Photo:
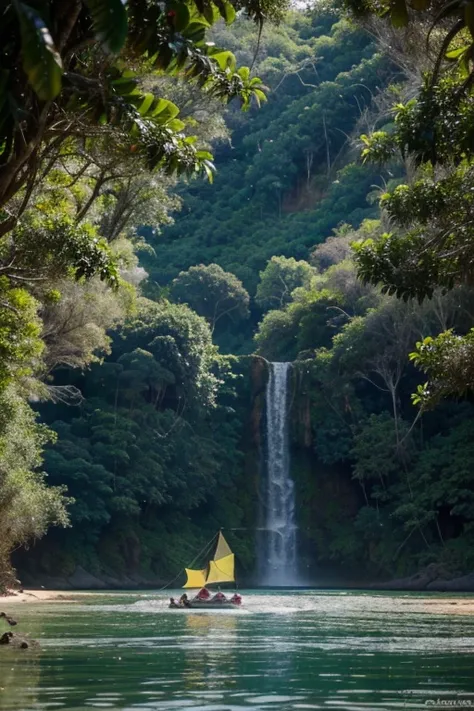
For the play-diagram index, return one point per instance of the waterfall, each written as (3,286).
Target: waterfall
(278,540)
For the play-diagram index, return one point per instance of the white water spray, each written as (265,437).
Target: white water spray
(278,543)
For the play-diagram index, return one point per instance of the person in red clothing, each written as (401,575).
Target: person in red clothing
(203,594)
(236,599)
(219,596)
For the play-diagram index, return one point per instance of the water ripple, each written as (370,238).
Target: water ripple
(283,652)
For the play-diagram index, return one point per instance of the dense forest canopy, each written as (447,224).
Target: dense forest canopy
(159,246)
(289,168)
(90,144)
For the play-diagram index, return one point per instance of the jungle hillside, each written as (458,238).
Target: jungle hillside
(243,183)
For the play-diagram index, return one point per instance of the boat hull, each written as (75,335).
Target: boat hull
(207,605)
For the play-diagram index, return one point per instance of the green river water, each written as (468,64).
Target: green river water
(282,652)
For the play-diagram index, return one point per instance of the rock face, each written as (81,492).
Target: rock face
(418,581)
(432,578)
(301,407)
(82,580)
(258,381)
(462,584)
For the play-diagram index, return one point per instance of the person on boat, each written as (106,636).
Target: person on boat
(236,599)
(184,601)
(203,594)
(219,596)
(173,602)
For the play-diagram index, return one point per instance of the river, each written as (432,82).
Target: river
(282,652)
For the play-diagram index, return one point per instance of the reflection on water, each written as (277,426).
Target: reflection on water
(18,682)
(283,652)
(216,638)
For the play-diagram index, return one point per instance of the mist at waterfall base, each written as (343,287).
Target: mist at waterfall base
(277,554)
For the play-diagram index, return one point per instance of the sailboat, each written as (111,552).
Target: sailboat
(220,569)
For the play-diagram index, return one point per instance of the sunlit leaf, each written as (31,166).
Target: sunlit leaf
(244,73)
(166,110)
(41,60)
(176,125)
(455,53)
(225,60)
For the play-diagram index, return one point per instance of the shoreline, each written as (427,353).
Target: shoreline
(452,605)
(37,596)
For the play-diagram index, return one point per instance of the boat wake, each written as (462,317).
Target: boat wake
(322,604)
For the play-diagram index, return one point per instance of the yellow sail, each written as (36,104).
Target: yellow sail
(196,578)
(223,549)
(221,570)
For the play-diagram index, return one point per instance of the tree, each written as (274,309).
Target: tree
(181,342)
(431,242)
(212,293)
(279,279)
(451,21)
(333,250)
(66,72)
(229,222)
(150,456)
(315,313)
(76,318)
(448,361)
(276,336)
(337,248)
(377,453)
(80,137)
(60,248)
(434,243)
(442,482)
(28,506)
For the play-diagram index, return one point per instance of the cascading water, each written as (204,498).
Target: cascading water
(278,563)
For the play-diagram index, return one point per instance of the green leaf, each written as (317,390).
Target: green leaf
(196,30)
(209,169)
(125,85)
(244,73)
(399,13)
(146,101)
(456,53)
(179,13)
(226,10)
(225,60)
(41,61)
(259,96)
(109,20)
(176,125)
(204,155)
(166,110)
(211,13)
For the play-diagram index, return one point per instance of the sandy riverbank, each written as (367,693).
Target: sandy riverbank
(33,596)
